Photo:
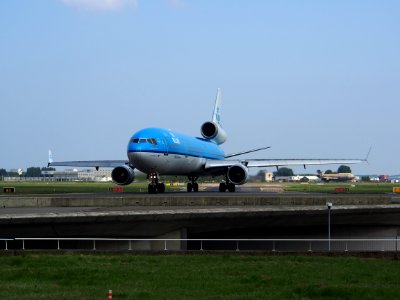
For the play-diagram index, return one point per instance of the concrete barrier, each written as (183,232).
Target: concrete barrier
(94,200)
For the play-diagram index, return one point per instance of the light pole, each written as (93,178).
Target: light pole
(329,206)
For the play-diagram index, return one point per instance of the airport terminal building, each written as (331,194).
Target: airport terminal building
(68,175)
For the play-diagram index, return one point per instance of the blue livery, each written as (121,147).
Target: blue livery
(159,140)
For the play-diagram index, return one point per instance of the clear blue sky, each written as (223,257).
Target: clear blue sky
(310,78)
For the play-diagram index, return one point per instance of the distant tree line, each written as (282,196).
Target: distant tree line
(289,172)
(4,173)
(284,172)
(341,169)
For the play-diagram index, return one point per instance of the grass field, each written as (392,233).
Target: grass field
(72,187)
(352,188)
(197,277)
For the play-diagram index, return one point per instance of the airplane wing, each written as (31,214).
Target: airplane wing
(293,162)
(215,164)
(90,163)
(245,152)
(86,163)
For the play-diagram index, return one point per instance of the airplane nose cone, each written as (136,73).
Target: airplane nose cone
(143,161)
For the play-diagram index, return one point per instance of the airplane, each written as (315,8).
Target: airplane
(337,177)
(159,151)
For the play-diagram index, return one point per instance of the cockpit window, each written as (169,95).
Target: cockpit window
(152,141)
(142,141)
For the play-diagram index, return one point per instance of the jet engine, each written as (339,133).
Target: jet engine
(237,174)
(123,175)
(213,131)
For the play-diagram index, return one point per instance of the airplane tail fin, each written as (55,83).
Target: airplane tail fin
(50,157)
(217,114)
(212,130)
(366,157)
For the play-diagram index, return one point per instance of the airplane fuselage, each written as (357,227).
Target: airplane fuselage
(167,152)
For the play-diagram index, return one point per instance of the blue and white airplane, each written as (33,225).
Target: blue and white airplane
(158,151)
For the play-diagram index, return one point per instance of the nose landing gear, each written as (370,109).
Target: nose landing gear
(155,186)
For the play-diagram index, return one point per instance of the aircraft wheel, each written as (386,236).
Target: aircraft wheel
(222,187)
(195,187)
(161,187)
(152,189)
(231,188)
(189,187)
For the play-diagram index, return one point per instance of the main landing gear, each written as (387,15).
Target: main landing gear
(227,186)
(154,186)
(192,185)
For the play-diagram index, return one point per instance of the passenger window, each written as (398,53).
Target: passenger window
(135,141)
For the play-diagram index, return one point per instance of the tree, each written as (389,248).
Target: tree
(48,169)
(366,178)
(328,172)
(284,172)
(260,176)
(33,172)
(344,169)
(3,172)
(12,174)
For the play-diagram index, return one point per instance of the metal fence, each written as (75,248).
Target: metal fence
(248,245)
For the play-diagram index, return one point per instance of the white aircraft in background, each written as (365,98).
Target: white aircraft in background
(159,151)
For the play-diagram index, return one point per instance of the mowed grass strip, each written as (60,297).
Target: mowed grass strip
(72,187)
(352,188)
(73,276)
(92,187)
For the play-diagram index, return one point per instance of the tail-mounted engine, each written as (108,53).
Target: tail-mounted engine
(123,175)
(213,131)
(237,174)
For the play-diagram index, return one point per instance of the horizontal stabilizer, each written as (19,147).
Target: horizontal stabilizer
(91,163)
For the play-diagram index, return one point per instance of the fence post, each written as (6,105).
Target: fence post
(273,246)
(237,246)
(201,245)
(130,245)
(345,250)
(165,245)
(23,244)
(94,245)
(109,295)
(309,247)
(58,244)
(6,246)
